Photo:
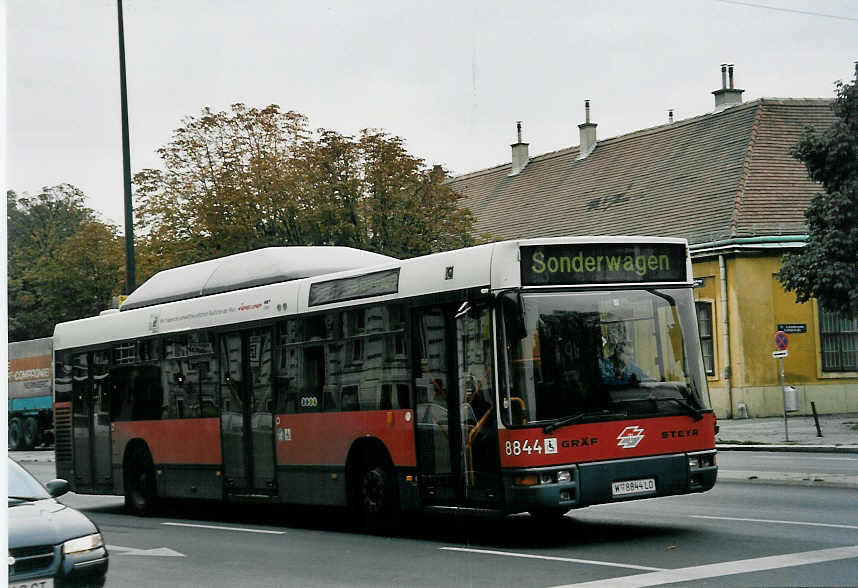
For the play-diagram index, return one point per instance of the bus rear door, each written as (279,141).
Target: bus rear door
(246,412)
(91,421)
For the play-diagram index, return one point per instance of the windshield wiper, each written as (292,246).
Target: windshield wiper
(694,412)
(24,498)
(556,424)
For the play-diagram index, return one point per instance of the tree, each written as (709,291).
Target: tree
(827,267)
(247,178)
(64,263)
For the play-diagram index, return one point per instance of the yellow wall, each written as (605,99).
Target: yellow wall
(756,305)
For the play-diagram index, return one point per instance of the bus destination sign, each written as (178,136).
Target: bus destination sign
(602,263)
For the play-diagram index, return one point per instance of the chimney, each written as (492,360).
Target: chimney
(587,131)
(519,153)
(727,96)
(670,116)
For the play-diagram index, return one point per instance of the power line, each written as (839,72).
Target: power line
(778,8)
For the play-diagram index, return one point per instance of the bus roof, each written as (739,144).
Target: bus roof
(232,294)
(246,270)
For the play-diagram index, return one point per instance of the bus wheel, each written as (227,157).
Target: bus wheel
(15,435)
(140,494)
(378,499)
(31,433)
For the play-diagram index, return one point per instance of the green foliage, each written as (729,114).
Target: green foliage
(63,263)
(249,178)
(827,267)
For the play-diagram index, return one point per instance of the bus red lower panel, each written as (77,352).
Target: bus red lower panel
(313,448)
(186,454)
(179,441)
(324,439)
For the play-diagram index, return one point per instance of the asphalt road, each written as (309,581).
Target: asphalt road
(739,534)
(789,461)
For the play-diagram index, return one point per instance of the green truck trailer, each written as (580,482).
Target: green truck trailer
(31,420)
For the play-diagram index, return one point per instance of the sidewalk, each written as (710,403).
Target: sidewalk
(839,434)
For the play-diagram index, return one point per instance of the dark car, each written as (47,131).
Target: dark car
(50,544)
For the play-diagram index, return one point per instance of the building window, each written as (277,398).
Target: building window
(704,325)
(839,338)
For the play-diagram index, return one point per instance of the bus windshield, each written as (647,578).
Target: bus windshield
(575,356)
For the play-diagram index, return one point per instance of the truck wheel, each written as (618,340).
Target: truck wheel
(15,435)
(32,436)
(140,493)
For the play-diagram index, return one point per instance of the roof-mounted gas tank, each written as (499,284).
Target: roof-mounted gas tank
(246,270)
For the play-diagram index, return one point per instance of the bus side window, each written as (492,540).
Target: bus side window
(313,381)
(350,400)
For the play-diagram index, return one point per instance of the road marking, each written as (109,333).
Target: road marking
(813,458)
(552,558)
(774,522)
(743,566)
(158,551)
(226,528)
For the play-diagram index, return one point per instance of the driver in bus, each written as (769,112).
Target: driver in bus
(615,368)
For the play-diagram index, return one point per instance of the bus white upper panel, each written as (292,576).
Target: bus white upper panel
(246,270)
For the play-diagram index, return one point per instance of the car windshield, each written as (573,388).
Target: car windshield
(601,355)
(22,485)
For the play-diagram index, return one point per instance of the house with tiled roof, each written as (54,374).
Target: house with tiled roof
(726,182)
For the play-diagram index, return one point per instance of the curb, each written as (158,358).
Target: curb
(782,447)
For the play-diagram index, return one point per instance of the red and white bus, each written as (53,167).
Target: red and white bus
(535,375)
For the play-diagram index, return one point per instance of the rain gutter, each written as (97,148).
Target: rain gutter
(739,243)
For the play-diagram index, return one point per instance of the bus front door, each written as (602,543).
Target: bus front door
(478,408)
(455,409)
(246,412)
(91,421)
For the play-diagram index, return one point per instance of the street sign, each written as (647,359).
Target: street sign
(780,354)
(781,340)
(792,327)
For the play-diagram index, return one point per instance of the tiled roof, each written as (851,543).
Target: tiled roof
(715,176)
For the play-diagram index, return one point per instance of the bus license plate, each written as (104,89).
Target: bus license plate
(630,487)
(40,583)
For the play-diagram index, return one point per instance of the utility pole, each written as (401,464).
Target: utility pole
(130,280)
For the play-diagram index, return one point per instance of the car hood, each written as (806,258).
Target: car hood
(45,522)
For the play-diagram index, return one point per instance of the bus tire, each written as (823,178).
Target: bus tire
(141,496)
(16,435)
(378,502)
(32,435)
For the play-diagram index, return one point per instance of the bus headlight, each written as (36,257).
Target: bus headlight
(546,478)
(696,462)
(81,544)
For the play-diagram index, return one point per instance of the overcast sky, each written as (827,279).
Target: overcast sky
(451,78)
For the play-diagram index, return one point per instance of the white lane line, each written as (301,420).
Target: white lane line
(226,528)
(552,558)
(774,522)
(743,566)
(813,458)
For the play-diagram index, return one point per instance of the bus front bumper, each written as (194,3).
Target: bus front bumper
(578,485)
